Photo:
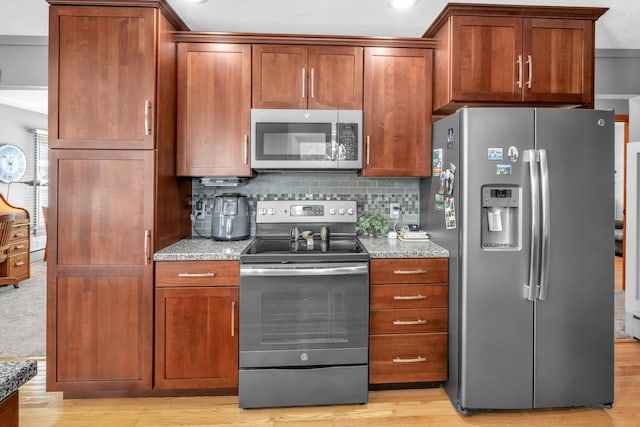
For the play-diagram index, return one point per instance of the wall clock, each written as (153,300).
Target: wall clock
(13,163)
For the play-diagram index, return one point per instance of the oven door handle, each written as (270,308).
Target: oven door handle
(304,271)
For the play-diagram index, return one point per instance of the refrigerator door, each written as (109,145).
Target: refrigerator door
(574,332)
(496,319)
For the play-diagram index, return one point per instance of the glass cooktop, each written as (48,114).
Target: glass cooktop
(285,250)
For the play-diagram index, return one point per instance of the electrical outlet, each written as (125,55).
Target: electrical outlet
(394,210)
(199,209)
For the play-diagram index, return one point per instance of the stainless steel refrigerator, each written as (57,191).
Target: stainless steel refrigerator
(523,199)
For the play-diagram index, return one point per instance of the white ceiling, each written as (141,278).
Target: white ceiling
(616,29)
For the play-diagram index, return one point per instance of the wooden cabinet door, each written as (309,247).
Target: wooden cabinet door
(196,337)
(100,273)
(560,60)
(214,104)
(486,59)
(335,77)
(280,76)
(397,112)
(101,77)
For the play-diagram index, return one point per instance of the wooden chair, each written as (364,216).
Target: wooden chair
(6,224)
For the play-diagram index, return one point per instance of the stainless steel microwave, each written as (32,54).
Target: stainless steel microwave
(306,139)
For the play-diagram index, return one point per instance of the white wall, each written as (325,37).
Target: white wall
(16,127)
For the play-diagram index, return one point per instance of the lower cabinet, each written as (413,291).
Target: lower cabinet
(196,326)
(408,320)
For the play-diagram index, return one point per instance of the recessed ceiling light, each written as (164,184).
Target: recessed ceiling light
(402,4)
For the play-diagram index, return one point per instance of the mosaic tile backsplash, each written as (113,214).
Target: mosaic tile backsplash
(369,193)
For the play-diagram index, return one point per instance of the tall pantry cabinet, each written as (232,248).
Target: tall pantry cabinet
(114,197)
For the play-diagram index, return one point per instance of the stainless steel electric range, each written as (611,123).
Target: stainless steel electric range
(304,307)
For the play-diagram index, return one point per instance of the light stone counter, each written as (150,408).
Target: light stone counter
(202,249)
(381,247)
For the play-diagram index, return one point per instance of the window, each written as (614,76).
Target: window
(40,181)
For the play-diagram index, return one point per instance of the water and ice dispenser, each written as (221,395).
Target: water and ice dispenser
(501,219)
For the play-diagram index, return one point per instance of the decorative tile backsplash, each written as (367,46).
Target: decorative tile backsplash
(369,193)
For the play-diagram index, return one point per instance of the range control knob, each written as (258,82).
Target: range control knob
(272,211)
(341,211)
(262,211)
(350,211)
(332,211)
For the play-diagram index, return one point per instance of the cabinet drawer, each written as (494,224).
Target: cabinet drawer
(408,296)
(19,232)
(197,273)
(408,358)
(18,247)
(408,321)
(18,265)
(412,270)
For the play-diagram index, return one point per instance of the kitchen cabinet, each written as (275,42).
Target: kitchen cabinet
(397,112)
(214,105)
(313,77)
(100,274)
(196,327)
(513,55)
(102,81)
(114,197)
(408,320)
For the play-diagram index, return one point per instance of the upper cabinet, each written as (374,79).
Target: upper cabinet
(214,104)
(397,112)
(513,55)
(313,77)
(102,77)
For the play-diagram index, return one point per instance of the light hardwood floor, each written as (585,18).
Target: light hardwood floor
(419,407)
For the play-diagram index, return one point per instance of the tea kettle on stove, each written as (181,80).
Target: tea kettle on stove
(230,217)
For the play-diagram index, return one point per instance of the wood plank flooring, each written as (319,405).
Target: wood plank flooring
(419,407)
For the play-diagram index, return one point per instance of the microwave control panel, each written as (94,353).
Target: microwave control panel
(347,141)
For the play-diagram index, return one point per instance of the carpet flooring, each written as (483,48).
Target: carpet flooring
(23,315)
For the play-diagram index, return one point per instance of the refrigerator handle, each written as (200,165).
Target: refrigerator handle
(531,156)
(544,197)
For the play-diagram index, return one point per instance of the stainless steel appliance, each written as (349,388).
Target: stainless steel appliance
(230,217)
(523,200)
(306,139)
(304,307)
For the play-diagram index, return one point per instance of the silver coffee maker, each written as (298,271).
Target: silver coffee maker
(230,217)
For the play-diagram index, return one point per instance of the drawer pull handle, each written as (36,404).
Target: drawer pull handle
(20,235)
(409,297)
(196,274)
(418,359)
(20,247)
(19,263)
(410,322)
(420,271)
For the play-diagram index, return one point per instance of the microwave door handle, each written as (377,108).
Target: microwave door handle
(334,141)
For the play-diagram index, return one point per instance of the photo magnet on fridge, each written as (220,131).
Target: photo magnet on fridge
(494,153)
(436,161)
(449,213)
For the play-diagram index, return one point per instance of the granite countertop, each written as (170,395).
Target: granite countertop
(381,247)
(202,249)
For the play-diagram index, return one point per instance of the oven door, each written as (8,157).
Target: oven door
(314,314)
